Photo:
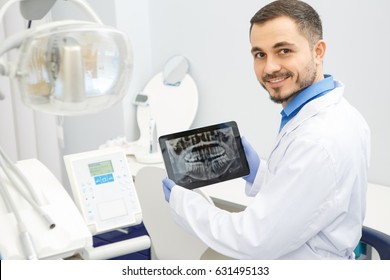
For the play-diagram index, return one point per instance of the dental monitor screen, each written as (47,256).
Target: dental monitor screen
(99,168)
(204,156)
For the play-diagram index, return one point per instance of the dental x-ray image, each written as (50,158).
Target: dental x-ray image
(204,156)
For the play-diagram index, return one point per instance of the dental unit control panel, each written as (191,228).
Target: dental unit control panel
(103,189)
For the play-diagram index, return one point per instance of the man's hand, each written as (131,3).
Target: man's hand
(167,184)
(253,160)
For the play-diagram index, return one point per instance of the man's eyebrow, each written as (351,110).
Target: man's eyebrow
(283,44)
(276,46)
(256,49)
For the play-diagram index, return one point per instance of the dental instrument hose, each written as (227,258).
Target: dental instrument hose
(24,235)
(35,202)
(13,178)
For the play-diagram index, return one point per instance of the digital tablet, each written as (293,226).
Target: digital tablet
(204,156)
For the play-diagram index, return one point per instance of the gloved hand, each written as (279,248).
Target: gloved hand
(167,184)
(253,160)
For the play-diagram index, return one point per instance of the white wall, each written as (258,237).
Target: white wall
(213,35)
(132,17)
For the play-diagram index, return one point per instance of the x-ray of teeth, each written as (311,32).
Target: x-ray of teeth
(204,156)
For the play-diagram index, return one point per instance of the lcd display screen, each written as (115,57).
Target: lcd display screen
(100,168)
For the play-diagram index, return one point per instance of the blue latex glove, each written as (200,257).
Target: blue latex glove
(253,160)
(167,184)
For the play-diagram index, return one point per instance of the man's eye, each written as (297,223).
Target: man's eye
(284,51)
(259,55)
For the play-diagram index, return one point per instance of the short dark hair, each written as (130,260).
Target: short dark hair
(306,18)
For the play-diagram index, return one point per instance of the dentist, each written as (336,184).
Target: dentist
(309,196)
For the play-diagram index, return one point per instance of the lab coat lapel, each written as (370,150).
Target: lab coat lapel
(310,110)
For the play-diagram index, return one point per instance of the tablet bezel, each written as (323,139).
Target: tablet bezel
(239,162)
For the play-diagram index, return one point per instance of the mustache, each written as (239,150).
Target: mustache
(268,77)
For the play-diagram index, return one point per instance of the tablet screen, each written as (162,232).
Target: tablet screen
(204,156)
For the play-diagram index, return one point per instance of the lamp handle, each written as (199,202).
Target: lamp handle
(37,9)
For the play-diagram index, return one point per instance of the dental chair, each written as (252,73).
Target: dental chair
(377,240)
(168,240)
(167,104)
(376,229)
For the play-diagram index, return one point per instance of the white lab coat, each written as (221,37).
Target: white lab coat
(309,196)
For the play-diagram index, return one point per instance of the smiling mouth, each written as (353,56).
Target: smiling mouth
(277,81)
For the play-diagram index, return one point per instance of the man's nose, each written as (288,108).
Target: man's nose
(272,65)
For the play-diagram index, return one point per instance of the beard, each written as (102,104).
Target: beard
(304,79)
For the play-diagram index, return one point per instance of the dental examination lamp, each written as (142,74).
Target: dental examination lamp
(64,68)
(67,67)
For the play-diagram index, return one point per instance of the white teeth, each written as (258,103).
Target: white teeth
(276,81)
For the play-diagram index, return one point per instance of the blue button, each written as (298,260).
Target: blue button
(98,180)
(104,179)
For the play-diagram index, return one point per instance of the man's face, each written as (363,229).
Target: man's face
(284,62)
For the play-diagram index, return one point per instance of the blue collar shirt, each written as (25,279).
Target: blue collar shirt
(312,92)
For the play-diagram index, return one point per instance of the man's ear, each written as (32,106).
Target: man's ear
(319,51)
